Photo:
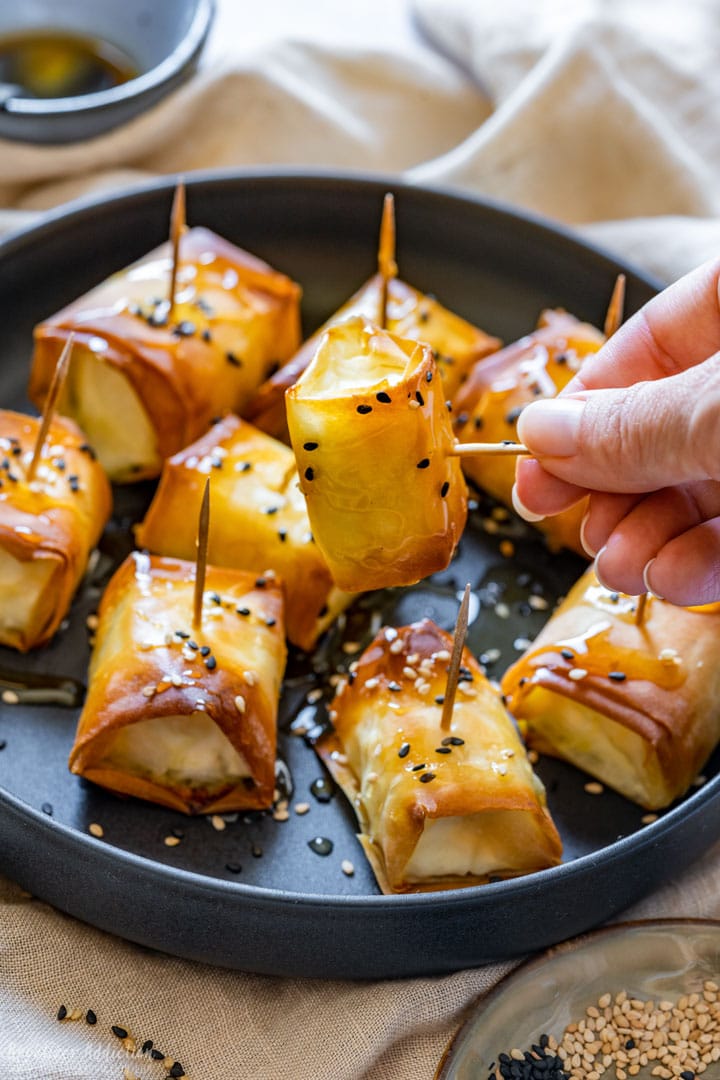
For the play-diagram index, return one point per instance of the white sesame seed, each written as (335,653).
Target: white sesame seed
(413,404)
(313,695)
(669,656)
(96,830)
(413,659)
(507,753)
(347,867)
(467,689)
(240,703)
(502,611)
(337,755)
(149,691)
(171,841)
(647,819)
(538,603)
(176,680)
(491,527)
(409,673)
(281,815)
(521,644)
(533,757)
(499,767)
(577,673)
(217,822)
(350,647)
(441,655)
(301,808)
(397,647)
(390,633)
(10,697)
(76,1014)
(593,788)
(92,622)
(370,684)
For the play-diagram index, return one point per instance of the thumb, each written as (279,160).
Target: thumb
(634,439)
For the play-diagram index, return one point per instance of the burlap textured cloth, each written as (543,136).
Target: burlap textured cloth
(600,113)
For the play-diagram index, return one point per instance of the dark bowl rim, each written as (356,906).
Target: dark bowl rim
(527,966)
(474,896)
(91,104)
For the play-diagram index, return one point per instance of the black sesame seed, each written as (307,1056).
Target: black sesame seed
(233,359)
(260,582)
(216,598)
(427,777)
(282,535)
(630,1044)
(3,744)
(211,663)
(392,685)
(271,510)
(182,634)
(508,442)
(383,398)
(120,1032)
(233,867)
(404,750)
(73,481)
(243,610)
(444,489)
(256,851)
(147,1045)
(567,654)
(561,359)
(270,622)
(61,1013)
(310,446)
(47,808)
(86,448)
(193,645)
(309,473)
(439,699)
(419,398)
(16,451)
(617,676)
(216,463)
(205,650)
(478,422)
(614,597)
(364,409)
(428,376)
(184,328)
(206,335)
(176,1069)
(90,1017)
(513,415)
(687,1074)
(448,406)
(157,1055)
(423,463)
(443,750)
(418,768)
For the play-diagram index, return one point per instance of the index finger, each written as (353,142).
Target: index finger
(675,330)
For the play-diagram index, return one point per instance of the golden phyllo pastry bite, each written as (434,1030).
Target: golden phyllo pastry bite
(633,705)
(141,384)
(181,716)
(260,520)
(48,526)
(457,344)
(437,808)
(487,406)
(373,442)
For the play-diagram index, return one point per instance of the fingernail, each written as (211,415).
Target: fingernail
(551,427)
(598,572)
(646,581)
(521,509)
(588,549)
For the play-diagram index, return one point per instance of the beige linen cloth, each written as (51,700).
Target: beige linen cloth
(604,114)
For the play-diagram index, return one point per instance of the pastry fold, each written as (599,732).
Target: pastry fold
(437,809)
(142,387)
(457,344)
(48,527)
(181,716)
(260,520)
(634,706)
(373,442)
(487,406)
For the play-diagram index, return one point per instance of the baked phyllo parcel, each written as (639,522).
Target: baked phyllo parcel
(260,520)
(48,526)
(144,381)
(373,442)
(487,406)
(633,705)
(437,808)
(458,345)
(181,716)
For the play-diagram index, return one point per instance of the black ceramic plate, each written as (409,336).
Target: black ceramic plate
(254,895)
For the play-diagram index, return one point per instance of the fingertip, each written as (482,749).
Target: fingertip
(521,509)
(587,546)
(646,580)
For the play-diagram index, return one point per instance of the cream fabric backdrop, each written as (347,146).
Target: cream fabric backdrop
(601,114)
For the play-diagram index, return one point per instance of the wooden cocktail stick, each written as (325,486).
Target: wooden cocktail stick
(616,307)
(471,449)
(201,558)
(58,379)
(177,228)
(640,609)
(454,670)
(387,266)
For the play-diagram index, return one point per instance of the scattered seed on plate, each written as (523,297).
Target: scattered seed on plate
(217,822)
(521,644)
(281,814)
(594,788)
(171,841)
(10,697)
(507,549)
(347,867)
(533,757)
(301,808)
(647,819)
(96,830)
(502,611)
(313,696)
(538,603)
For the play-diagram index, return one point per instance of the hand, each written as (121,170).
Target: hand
(639,430)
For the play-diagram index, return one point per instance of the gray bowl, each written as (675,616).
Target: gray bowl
(163,38)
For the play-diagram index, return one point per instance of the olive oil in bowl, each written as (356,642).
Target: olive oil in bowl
(47,64)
